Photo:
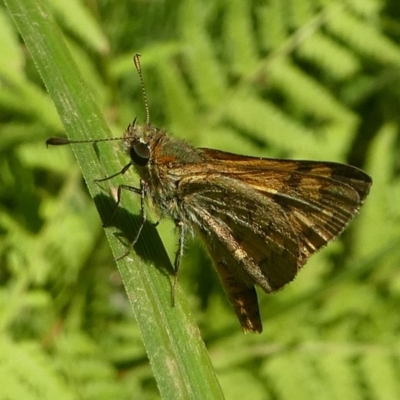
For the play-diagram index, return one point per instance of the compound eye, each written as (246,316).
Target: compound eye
(140,154)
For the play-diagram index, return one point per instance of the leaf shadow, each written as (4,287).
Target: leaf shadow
(127,225)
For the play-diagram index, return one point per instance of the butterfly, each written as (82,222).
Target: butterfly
(261,219)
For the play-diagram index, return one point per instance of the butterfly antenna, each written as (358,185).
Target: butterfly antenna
(136,60)
(55,141)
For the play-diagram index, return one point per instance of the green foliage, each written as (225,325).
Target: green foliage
(315,80)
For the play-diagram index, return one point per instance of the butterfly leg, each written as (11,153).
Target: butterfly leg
(120,187)
(123,170)
(178,256)
(142,192)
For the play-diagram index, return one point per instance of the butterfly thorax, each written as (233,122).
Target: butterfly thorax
(161,162)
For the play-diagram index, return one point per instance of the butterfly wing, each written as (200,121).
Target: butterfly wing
(247,244)
(263,218)
(242,296)
(318,198)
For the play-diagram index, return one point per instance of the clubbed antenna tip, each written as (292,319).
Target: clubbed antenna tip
(55,141)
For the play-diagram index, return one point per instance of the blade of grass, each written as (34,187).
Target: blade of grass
(177,354)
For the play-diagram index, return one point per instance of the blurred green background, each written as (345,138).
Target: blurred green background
(307,80)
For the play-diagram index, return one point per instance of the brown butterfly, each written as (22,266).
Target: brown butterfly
(260,218)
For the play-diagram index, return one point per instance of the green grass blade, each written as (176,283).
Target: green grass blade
(177,354)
